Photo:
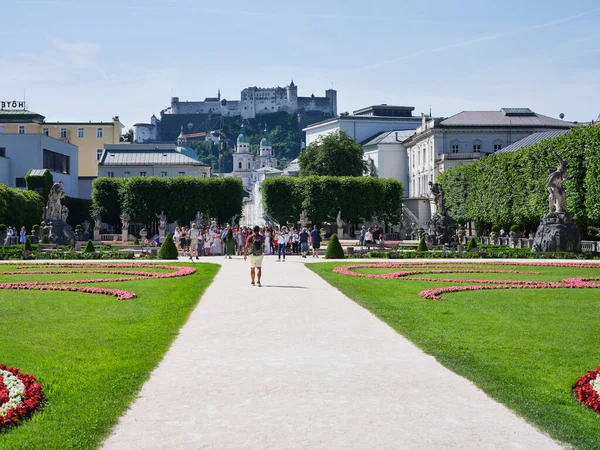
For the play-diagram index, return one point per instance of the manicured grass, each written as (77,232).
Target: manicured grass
(90,352)
(525,348)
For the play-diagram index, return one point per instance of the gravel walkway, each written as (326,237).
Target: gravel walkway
(297,365)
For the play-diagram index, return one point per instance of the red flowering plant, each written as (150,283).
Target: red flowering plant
(587,389)
(70,268)
(20,396)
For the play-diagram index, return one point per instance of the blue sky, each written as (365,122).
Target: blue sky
(84,60)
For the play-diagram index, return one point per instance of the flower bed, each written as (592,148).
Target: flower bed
(587,389)
(473,285)
(20,396)
(67,285)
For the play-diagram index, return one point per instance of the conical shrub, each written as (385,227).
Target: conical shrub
(422,246)
(27,245)
(168,249)
(472,244)
(334,249)
(89,247)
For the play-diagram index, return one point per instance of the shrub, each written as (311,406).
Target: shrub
(136,242)
(45,239)
(334,248)
(168,249)
(3,228)
(28,245)
(472,244)
(496,229)
(35,228)
(422,246)
(89,247)
(515,229)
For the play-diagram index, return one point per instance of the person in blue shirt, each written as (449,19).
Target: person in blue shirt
(361,236)
(315,240)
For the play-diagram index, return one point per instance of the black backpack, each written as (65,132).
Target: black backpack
(257,247)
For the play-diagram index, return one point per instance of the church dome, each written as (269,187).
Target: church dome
(242,138)
(266,142)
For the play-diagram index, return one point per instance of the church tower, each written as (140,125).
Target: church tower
(243,159)
(266,158)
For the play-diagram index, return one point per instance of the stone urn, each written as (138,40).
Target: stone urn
(143,233)
(461,233)
(494,238)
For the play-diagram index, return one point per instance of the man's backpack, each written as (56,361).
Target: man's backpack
(257,247)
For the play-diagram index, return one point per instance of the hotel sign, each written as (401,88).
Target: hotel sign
(12,104)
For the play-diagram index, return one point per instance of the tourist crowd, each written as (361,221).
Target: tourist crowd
(230,241)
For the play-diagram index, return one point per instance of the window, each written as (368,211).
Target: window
(126,174)
(248,164)
(477,146)
(45,131)
(240,165)
(163,174)
(110,174)
(181,174)
(80,132)
(20,183)
(56,162)
(98,153)
(21,129)
(63,133)
(99,132)
(497,145)
(454,146)
(142,174)
(2,152)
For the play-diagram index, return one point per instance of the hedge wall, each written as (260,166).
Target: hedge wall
(509,189)
(358,198)
(20,208)
(179,197)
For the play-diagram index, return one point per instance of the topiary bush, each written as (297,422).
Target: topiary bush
(496,229)
(45,239)
(334,248)
(422,246)
(89,247)
(136,242)
(168,249)
(472,244)
(28,245)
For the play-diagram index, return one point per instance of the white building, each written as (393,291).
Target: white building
(440,144)
(147,160)
(387,155)
(246,164)
(21,152)
(365,123)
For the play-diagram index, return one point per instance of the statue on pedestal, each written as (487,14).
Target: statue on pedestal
(54,218)
(162,223)
(438,197)
(125,218)
(557,232)
(439,224)
(303,219)
(340,225)
(198,220)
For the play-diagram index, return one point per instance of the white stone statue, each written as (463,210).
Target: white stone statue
(557,197)
(339,221)
(198,220)
(303,219)
(125,218)
(162,220)
(53,209)
(97,222)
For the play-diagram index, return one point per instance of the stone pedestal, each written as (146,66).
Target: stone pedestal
(340,233)
(557,233)
(96,234)
(59,232)
(125,234)
(161,232)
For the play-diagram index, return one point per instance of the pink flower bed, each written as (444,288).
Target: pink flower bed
(20,396)
(587,389)
(67,285)
(475,285)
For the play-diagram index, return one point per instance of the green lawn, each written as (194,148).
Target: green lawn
(91,352)
(525,348)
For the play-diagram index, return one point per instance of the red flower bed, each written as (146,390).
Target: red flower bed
(585,391)
(475,285)
(66,285)
(25,396)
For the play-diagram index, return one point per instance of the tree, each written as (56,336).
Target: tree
(335,154)
(127,137)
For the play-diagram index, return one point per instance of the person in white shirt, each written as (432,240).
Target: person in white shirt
(194,242)
(368,238)
(282,241)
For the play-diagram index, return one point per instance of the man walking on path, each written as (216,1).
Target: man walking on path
(303,236)
(315,239)
(255,245)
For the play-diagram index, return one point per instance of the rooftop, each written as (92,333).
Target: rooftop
(531,140)
(415,120)
(388,137)
(506,117)
(149,157)
(385,110)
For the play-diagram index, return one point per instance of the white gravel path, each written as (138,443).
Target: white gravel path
(297,365)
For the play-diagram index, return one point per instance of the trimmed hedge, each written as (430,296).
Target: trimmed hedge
(19,207)
(40,183)
(179,197)
(358,198)
(334,248)
(89,247)
(422,246)
(509,188)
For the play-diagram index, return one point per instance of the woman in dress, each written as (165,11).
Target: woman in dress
(230,244)
(207,243)
(217,244)
(176,236)
(22,235)
(267,235)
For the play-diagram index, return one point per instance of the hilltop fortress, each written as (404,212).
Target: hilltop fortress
(253,102)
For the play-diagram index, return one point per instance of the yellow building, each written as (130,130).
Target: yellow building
(90,137)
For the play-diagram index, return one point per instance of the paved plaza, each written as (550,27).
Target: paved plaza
(295,364)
